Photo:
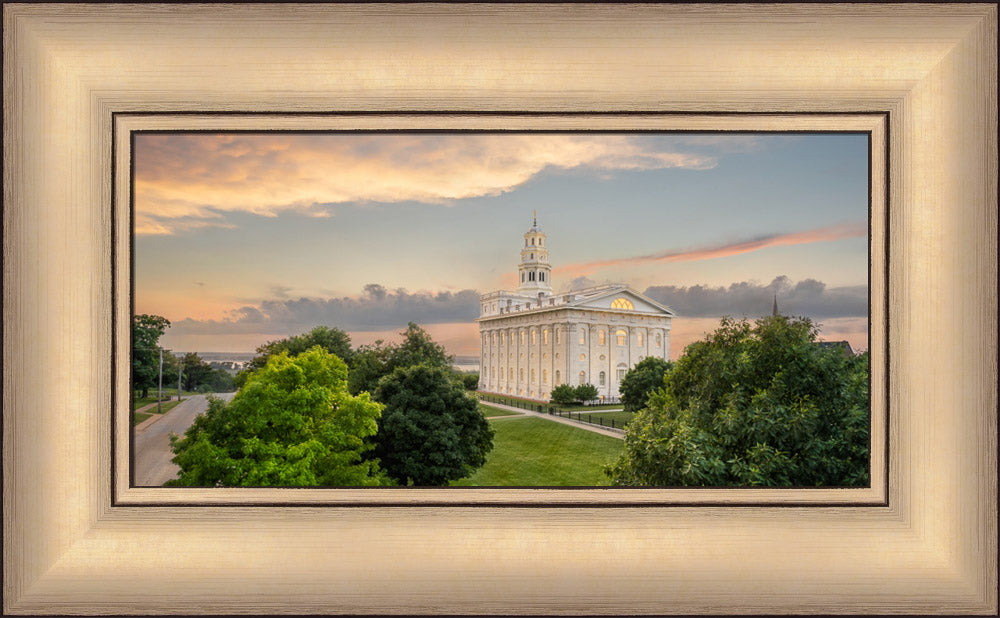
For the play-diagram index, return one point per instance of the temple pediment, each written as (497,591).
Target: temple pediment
(622,298)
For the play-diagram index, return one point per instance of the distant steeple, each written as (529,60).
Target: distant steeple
(534,218)
(774,308)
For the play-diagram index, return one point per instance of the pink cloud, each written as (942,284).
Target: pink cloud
(835,232)
(195,177)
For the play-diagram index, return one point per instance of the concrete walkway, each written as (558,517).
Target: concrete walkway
(606,431)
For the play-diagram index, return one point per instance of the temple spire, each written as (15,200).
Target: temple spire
(534,270)
(774,308)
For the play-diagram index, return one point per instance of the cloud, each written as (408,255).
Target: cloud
(193,180)
(835,232)
(579,283)
(809,298)
(377,308)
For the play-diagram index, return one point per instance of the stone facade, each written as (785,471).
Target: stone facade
(532,340)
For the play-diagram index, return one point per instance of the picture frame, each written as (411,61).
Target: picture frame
(73,544)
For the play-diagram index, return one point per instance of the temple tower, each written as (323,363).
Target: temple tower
(534,272)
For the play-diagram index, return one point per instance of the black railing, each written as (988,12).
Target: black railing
(586,417)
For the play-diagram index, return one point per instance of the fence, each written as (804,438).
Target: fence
(586,417)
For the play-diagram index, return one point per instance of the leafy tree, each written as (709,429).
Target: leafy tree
(195,371)
(372,363)
(220,381)
(431,431)
(585,392)
(202,377)
(333,340)
(418,348)
(292,424)
(642,380)
(564,394)
(146,332)
(754,405)
(369,364)
(470,380)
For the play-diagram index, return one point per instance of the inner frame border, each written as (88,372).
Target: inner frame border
(874,124)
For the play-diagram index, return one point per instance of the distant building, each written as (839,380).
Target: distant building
(533,340)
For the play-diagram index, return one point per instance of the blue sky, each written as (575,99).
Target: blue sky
(248,237)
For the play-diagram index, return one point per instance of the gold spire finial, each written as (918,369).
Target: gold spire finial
(534,218)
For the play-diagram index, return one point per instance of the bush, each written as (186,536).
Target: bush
(641,381)
(586,392)
(564,394)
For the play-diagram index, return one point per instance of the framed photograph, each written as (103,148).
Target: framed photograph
(82,82)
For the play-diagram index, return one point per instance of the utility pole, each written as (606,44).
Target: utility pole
(180,364)
(159,392)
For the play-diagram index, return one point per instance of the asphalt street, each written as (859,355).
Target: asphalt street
(152,440)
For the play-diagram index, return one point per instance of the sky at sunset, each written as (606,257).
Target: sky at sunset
(242,238)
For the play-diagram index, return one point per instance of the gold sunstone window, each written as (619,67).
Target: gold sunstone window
(622,303)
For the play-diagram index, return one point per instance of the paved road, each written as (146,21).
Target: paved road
(606,431)
(152,451)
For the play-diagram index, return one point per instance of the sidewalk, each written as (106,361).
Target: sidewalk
(607,431)
(150,406)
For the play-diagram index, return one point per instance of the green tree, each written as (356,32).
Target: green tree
(754,405)
(369,364)
(585,392)
(220,381)
(333,340)
(372,363)
(469,380)
(146,332)
(292,424)
(194,371)
(642,380)
(417,348)
(564,394)
(431,431)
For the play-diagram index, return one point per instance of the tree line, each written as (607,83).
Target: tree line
(195,373)
(313,411)
(754,404)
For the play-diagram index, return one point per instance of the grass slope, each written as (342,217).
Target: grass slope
(491,412)
(536,452)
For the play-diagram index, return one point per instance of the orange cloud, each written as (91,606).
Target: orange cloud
(835,232)
(192,179)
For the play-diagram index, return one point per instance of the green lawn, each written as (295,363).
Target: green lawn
(166,406)
(536,452)
(490,412)
(138,402)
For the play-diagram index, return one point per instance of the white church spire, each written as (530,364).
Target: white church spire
(534,272)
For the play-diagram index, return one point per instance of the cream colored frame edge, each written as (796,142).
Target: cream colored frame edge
(932,549)
(873,124)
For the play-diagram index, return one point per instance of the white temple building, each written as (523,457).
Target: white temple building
(533,340)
